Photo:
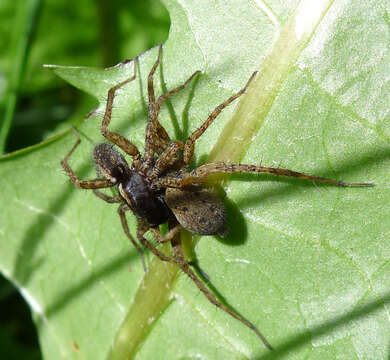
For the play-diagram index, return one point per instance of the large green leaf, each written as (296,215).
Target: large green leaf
(307,264)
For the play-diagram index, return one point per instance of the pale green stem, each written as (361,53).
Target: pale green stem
(152,297)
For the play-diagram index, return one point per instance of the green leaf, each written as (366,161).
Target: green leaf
(307,264)
(25,25)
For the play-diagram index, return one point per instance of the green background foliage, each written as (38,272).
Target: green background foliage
(308,264)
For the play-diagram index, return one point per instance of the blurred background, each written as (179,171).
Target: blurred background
(35,104)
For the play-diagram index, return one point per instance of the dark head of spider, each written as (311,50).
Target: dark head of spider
(133,186)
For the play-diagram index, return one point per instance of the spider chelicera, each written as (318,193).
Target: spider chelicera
(159,187)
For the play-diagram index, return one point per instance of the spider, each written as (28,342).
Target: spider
(159,187)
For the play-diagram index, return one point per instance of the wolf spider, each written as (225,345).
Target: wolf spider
(158,186)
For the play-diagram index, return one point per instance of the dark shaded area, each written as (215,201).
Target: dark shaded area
(236,225)
(18,338)
(108,30)
(39,114)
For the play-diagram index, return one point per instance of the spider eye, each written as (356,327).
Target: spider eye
(117,173)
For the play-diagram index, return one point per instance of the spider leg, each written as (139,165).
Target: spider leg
(165,96)
(82,184)
(122,214)
(142,229)
(154,107)
(114,137)
(200,175)
(160,137)
(109,199)
(161,140)
(151,96)
(167,158)
(185,267)
(156,138)
(190,142)
(178,259)
(168,236)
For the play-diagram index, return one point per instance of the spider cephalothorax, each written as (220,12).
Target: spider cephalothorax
(134,187)
(158,187)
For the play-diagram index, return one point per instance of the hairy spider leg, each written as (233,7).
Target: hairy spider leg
(142,228)
(122,209)
(109,199)
(154,125)
(167,158)
(128,147)
(82,184)
(179,260)
(184,266)
(122,214)
(200,175)
(168,236)
(189,146)
(151,96)
(156,137)
(169,93)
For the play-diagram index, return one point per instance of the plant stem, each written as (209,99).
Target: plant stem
(25,25)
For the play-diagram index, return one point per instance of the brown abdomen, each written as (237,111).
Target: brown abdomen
(200,212)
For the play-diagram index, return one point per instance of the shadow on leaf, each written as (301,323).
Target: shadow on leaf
(315,332)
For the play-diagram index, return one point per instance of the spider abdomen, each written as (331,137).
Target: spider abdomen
(200,211)
(145,202)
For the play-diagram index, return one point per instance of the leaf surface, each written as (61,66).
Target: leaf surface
(307,264)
